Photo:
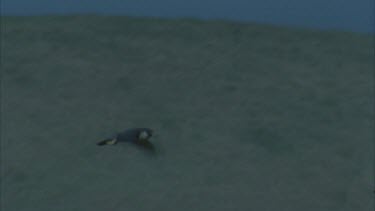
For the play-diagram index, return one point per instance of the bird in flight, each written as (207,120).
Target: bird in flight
(139,136)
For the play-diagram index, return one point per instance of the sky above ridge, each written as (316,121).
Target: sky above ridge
(348,15)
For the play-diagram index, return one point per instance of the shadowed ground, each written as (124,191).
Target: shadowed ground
(246,116)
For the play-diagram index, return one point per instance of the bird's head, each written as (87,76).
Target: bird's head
(144,135)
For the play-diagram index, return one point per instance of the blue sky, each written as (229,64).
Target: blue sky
(350,15)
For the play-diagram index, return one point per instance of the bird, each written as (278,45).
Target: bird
(138,136)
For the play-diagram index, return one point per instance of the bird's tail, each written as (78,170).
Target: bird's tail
(107,142)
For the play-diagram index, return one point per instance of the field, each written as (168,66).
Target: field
(246,116)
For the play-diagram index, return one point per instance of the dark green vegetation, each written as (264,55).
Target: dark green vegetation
(246,116)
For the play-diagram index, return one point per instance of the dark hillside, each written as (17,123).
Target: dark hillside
(247,116)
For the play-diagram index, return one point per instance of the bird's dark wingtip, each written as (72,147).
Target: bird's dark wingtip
(101,143)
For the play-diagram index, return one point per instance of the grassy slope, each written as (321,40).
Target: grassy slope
(249,117)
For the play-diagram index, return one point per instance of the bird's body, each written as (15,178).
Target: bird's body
(138,136)
(134,135)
